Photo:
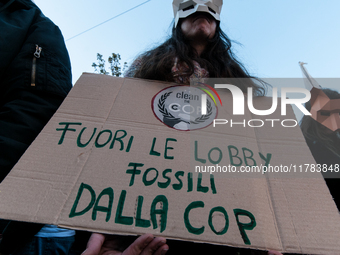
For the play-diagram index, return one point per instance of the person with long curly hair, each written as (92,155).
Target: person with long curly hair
(197,48)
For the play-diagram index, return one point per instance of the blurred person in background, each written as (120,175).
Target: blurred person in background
(322,134)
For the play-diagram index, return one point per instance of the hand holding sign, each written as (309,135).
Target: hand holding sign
(110,244)
(144,245)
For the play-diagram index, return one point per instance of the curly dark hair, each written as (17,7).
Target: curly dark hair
(217,59)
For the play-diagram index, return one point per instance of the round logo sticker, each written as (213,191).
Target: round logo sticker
(179,107)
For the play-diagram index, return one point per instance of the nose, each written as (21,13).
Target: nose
(334,121)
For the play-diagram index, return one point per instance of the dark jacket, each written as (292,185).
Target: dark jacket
(35,77)
(326,158)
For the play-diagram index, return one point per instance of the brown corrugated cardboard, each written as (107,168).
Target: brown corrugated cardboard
(106,163)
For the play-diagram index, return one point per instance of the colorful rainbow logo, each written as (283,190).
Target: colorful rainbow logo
(209,93)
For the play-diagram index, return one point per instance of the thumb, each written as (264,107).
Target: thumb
(138,245)
(274,253)
(94,244)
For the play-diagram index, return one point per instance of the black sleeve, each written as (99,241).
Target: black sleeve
(31,90)
(21,120)
(31,87)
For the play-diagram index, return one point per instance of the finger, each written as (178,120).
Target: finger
(154,246)
(274,253)
(162,250)
(94,244)
(139,245)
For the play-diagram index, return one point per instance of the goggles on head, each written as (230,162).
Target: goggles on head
(184,8)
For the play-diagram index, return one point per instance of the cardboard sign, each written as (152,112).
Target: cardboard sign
(106,163)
